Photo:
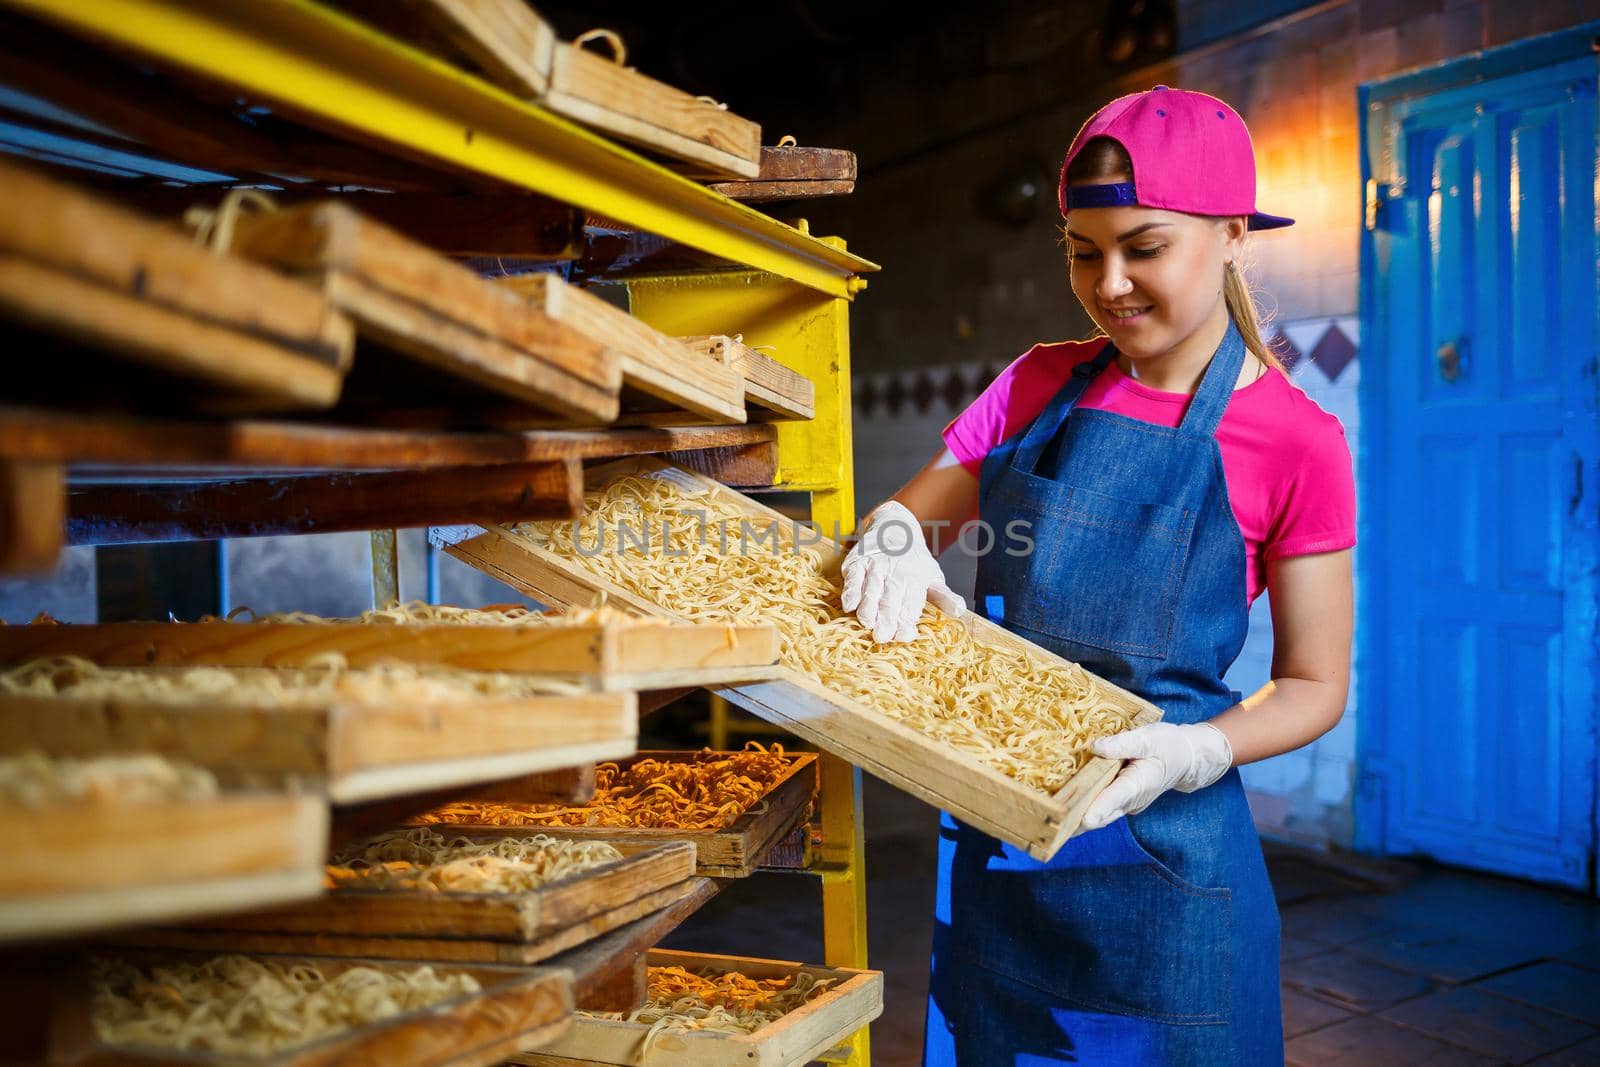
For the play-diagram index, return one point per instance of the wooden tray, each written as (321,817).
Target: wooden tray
(906,758)
(597,91)
(357,751)
(503,40)
(434,949)
(414,301)
(797,1038)
(79,867)
(514,917)
(517,1009)
(733,852)
(608,656)
(658,372)
(237,335)
(772,392)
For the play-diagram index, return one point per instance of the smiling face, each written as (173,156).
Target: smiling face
(1151,279)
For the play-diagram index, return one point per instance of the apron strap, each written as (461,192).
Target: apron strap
(1043,428)
(1216,386)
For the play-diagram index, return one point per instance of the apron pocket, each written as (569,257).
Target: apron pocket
(1129,939)
(1104,572)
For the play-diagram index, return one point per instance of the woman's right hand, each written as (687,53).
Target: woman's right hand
(890,574)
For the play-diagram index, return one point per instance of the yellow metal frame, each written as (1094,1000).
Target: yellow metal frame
(342,75)
(809,332)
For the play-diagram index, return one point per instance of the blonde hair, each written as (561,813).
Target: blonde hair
(1104,158)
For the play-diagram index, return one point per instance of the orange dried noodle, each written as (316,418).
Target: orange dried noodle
(728,1002)
(700,791)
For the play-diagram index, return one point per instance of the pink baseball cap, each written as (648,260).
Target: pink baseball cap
(1191,152)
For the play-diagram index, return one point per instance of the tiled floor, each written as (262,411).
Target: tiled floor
(1383,964)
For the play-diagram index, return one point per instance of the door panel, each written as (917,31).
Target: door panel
(1478,731)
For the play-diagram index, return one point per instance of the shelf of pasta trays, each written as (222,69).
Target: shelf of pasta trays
(732,807)
(183,1009)
(354,735)
(417,894)
(968,717)
(601,649)
(723,1011)
(107,840)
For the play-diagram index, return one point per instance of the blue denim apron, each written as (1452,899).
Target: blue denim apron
(1153,940)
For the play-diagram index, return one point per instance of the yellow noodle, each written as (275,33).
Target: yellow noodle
(724,1002)
(1024,716)
(429,862)
(240,1005)
(33,780)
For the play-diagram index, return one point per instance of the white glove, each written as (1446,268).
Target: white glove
(890,574)
(1160,757)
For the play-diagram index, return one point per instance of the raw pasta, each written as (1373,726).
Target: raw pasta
(424,860)
(237,1004)
(706,561)
(34,780)
(723,1002)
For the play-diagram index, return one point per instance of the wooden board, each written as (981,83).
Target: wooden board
(516,1009)
(356,751)
(609,656)
(435,949)
(422,305)
(593,90)
(734,852)
(32,515)
(55,228)
(515,917)
(652,363)
(81,867)
(793,172)
(797,1038)
(503,40)
(779,393)
(906,758)
(768,192)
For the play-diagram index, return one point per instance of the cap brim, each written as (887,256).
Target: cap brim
(1262,221)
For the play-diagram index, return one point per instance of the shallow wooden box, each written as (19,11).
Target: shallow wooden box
(518,1009)
(733,852)
(502,928)
(88,866)
(353,750)
(906,758)
(463,335)
(797,1038)
(608,656)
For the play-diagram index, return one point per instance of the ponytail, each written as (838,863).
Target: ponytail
(1242,310)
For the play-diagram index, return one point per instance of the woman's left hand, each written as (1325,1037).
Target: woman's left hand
(1160,757)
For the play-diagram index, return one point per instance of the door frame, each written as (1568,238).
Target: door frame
(1581,658)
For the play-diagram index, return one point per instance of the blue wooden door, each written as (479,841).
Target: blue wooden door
(1477,723)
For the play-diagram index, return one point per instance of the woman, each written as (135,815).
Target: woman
(1167,472)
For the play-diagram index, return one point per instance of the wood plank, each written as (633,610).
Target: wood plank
(81,867)
(262,375)
(112,514)
(804,163)
(359,751)
(523,225)
(950,780)
(436,311)
(515,917)
(64,437)
(33,516)
(599,961)
(54,225)
(768,384)
(770,192)
(182,124)
(624,991)
(796,1038)
(613,655)
(733,852)
(622,103)
(651,362)
(504,41)
(516,1008)
(433,949)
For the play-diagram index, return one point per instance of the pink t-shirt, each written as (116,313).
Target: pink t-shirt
(1286,460)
